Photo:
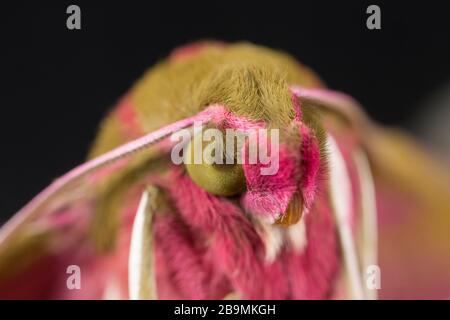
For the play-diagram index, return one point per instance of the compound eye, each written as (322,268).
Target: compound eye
(216,177)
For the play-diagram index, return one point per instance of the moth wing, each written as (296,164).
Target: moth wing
(412,191)
(350,187)
(33,241)
(413,197)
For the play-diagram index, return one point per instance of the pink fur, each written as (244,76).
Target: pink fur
(192,49)
(212,249)
(225,119)
(297,106)
(310,165)
(129,123)
(269,195)
(313,273)
(206,246)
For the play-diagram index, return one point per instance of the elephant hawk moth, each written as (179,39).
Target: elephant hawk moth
(349,196)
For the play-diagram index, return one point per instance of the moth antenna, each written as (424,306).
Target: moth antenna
(369,214)
(75,175)
(341,198)
(141,264)
(338,102)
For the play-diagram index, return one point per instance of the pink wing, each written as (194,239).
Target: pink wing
(412,199)
(61,212)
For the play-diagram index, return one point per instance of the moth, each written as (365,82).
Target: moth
(353,211)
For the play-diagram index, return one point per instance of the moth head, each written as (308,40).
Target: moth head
(271,171)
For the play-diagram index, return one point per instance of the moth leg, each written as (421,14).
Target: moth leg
(341,197)
(369,222)
(141,262)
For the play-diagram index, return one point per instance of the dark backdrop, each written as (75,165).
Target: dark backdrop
(57,84)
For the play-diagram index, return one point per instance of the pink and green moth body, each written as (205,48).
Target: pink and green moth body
(348,195)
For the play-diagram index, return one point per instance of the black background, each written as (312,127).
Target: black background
(57,84)
(284,309)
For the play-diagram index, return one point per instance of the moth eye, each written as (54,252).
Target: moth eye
(216,177)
